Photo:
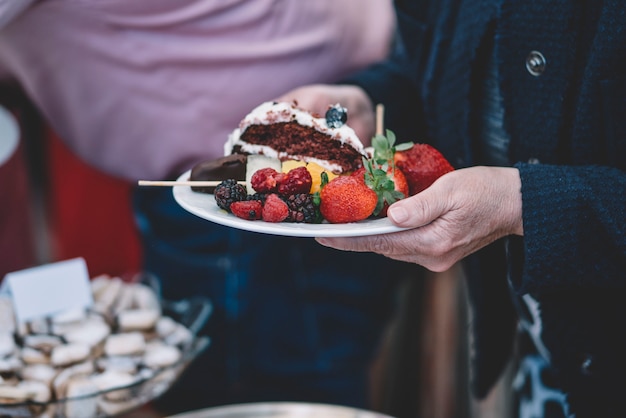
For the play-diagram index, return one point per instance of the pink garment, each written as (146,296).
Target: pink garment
(144,89)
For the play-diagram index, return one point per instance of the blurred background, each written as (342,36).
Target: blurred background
(56,207)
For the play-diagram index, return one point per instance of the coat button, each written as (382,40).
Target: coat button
(586,367)
(535,63)
(533,160)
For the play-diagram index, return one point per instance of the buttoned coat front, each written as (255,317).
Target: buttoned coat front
(561,70)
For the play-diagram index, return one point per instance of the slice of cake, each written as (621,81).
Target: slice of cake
(284,131)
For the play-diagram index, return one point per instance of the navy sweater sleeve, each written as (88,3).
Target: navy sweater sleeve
(393,82)
(574,227)
(574,214)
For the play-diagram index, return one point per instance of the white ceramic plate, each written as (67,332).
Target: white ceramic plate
(280,410)
(204,206)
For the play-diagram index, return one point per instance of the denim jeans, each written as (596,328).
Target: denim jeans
(292,320)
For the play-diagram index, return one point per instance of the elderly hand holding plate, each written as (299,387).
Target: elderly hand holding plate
(460,213)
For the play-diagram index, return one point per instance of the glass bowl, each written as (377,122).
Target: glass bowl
(192,313)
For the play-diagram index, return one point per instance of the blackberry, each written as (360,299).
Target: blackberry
(336,116)
(302,209)
(257,196)
(229,191)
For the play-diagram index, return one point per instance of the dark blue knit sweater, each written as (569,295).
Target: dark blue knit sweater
(567,130)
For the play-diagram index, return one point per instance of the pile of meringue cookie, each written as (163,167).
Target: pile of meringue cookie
(122,339)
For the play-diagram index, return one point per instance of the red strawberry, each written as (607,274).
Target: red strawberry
(249,210)
(297,180)
(274,209)
(347,199)
(381,173)
(422,165)
(400,185)
(359,174)
(399,179)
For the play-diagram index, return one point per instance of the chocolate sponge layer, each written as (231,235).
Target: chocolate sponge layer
(296,140)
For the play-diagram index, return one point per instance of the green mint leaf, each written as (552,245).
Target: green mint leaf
(379,206)
(388,185)
(318,217)
(324,179)
(391,137)
(395,196)
(404,146)
(380,144)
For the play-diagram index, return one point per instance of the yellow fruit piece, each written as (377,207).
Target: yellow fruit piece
(291,164)
(316,174)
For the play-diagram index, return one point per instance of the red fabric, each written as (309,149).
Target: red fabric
(90,214)
(17,250)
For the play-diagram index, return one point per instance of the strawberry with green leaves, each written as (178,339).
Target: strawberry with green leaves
(371,189)
(381,173)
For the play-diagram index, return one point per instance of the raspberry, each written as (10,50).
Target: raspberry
(266,180)
(302,209)
(298,180)
(249,210)
(274,209)
(227,192)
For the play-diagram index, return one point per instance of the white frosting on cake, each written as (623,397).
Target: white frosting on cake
(276,112)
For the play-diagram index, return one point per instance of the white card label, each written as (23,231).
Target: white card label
(49,289)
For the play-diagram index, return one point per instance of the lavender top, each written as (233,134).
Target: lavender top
(147,88)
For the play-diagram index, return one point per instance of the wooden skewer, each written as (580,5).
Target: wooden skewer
(197,183)
(380,116)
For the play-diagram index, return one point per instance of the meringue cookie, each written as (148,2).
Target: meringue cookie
(42,342)
(37,391)
(138,319)
(33,356)
(145,297)
(124,344)
(108,295)
(67,354)
(109,380)
(165,326)
(84,407)
(159,355)
(91,332)
(79,370)
(126,364)
(44,373)
(13,394)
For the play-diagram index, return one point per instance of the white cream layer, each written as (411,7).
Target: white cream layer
(276,112)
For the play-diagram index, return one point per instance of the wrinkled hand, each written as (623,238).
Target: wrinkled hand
(460,213)
(317,97)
